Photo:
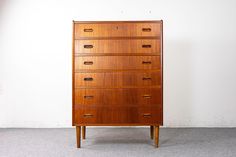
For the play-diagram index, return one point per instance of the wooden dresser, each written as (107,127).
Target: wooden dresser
(117,75)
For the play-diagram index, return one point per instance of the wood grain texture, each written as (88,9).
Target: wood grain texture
(117,30)
(151,132)
(141,97)
(117,79)
(149,46)
(83,132)
(156,136)
(73,66)
(117,115)
(117,75)
(117,62)
(78,136)
(120,74)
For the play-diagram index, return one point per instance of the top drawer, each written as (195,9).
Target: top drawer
(84,30)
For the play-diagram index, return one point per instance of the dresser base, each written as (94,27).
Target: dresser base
(154,133)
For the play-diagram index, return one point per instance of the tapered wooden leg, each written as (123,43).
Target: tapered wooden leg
(156,130)
(83,132)
(151,131)
(78,134)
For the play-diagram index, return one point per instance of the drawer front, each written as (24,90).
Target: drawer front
(117,62)
(118,97)
(117,30)
(118,46)
(118,115)
(117,79)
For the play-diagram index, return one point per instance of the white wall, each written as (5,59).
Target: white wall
(199,61)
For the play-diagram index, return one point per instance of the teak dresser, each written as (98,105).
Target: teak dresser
(117,75)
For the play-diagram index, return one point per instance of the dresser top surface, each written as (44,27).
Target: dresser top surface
(152,21)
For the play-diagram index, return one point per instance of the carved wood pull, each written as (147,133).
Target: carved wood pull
(146,46)
(88,30)
(88,96)
(88,46)
(88,63)
(147,78)
(146,29)
(88,115)
(147,96)
(147,115)
(147,62)
(88,79)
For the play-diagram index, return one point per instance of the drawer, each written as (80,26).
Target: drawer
(117,79)
(83,30)
(118,97)
(118,115)
(118,46)
(116,62)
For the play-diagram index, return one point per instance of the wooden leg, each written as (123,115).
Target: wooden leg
(151,131)
(78,134)
(156,135)
(83,132)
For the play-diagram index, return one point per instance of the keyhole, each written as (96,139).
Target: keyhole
(116,27)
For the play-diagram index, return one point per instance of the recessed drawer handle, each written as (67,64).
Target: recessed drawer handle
(146,46)
(147,96)
(88,79)
(147,115)
(88,30)
(147,78)
(88,96)
(147,62)
(88,115)
(88,63)
(88,46)
(146,29)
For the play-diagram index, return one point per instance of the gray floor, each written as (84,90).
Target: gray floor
(122,142)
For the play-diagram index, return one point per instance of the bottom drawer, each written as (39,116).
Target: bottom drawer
(118,115)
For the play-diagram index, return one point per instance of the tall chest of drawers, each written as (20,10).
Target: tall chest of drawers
(117,75)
